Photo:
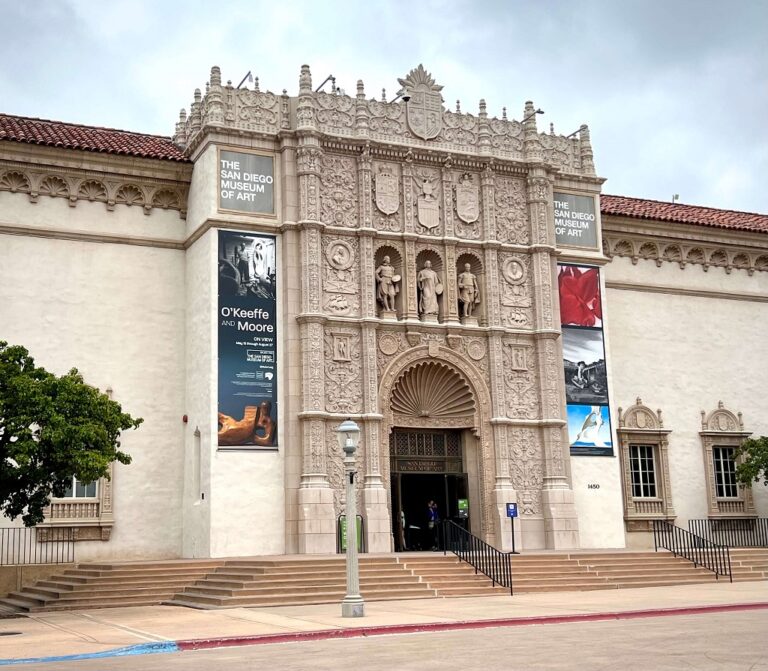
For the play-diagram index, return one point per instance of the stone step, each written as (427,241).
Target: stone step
(269,590)
(301,581)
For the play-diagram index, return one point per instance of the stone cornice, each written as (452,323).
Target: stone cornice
(686,245)
(110,180)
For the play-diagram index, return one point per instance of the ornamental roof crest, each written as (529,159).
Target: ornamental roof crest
(424,106)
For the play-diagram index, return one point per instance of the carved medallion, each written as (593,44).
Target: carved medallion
(387,191)
(476,349)
(513,271)
(424,109)
(467,200)
(388,343)
(339,255)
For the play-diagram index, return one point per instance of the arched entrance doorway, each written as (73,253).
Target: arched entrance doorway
(437,426)
(426,465)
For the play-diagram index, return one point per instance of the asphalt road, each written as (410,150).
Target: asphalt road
(718,641)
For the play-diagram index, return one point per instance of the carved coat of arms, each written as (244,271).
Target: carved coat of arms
(424,109)
(387,191)
(467,200)
(427,205)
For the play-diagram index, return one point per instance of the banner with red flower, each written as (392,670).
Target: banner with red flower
(584,361)
(579,296)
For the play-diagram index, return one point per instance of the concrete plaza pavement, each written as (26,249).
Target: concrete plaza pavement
(61,634)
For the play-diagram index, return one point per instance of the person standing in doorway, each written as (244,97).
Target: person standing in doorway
(433,521)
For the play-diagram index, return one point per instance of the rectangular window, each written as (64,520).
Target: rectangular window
(642,468)
(725,473)
(80,490)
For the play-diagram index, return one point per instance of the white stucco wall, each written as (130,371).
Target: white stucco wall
(596,481)
(243,512)
(684,353)
(116,312)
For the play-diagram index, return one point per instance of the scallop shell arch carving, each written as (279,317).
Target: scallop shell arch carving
(432,390)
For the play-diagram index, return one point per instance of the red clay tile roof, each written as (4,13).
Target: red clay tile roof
(88,138)
(640,208)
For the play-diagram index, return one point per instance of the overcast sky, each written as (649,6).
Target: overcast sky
(675,91)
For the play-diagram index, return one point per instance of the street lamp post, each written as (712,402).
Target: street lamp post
(353,605)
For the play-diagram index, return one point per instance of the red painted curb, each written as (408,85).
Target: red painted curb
(381,630)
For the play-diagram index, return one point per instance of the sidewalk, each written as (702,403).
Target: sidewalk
(84,632)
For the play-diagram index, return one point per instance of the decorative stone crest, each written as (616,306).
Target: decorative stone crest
(427,201)
(424,109)
(467,200)
(387,190)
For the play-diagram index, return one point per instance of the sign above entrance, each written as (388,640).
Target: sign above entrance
(246,182)
(575,220)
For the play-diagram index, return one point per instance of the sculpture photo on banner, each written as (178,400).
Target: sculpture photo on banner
(586,380)
(247,328)
(579,288)
(589,430)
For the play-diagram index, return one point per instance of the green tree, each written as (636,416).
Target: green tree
(51,428)
(754,467)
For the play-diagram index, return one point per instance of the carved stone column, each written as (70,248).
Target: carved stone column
(447,180)
(492,296)
(408,205)
(378,526)
(409,279)
(489,204)
(561,527)
(450,297)
(367,275)
(316,514)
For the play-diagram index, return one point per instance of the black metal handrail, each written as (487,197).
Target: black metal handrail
(701,551)
(23,546)
(748,532)
(486,559)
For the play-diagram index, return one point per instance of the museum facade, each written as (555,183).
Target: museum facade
(453,282)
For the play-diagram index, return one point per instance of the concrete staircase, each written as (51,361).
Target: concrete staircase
(110,585)
(280,581)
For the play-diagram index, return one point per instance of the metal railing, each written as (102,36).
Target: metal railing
(486,559)
(744,533)
(701,551)
(22,546)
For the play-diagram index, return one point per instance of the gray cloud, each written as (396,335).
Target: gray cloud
(674,92)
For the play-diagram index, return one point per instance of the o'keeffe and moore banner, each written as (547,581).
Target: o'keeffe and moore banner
(247,415)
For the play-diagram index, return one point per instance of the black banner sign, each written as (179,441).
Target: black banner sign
(247,341)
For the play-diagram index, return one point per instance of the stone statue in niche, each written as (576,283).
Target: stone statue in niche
(386,287)
(430,287)
(469,294)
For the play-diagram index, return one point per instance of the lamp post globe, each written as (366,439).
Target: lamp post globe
(348,433)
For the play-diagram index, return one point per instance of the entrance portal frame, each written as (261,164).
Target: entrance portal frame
(479,422)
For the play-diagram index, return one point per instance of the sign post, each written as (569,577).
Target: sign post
(512,513)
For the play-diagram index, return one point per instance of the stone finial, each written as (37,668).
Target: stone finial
(256,84)
(215,76)
(360,89)
(587,157)
(483,110)
(198,96)
(229,83)
(530,116)
(638,401)
(182,115)
(661,421)
(305,80)
(504,113)
(551,128)
(458,107)
(383,95)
